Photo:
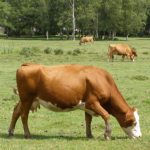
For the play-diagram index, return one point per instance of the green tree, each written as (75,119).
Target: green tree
(86,16)
(134,15)
(24,16)
(110,16)
(45,17)
(5,12)
(147,26)
(65,16)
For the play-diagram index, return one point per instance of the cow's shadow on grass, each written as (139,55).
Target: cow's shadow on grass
(58,137)
(42,137)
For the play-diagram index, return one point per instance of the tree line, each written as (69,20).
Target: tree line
(101,18)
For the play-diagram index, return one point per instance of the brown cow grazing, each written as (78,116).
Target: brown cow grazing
(86,39)
(69,87)
(121,49)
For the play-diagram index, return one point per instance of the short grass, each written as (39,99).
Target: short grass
(66,131)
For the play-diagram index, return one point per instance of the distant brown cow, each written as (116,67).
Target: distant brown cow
(68,87)
(121,49)
(86,39)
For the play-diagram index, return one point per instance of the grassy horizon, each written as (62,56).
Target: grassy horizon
(66,131)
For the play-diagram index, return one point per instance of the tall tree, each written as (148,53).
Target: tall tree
(65,16)
(147,27)
(5,12)
(73,19)
(86,16)
(45,16)
(110,16)
(24,16)
(134,15)
(66,19)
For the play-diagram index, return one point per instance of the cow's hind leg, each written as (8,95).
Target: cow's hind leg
(88,120)
(15,116)
(25,107)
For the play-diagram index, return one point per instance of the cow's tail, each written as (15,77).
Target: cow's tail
(35,103)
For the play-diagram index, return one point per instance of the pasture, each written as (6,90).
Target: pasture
(66,131)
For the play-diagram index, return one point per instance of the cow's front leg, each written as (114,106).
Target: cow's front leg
(88,120)
(107,133)
(110,56)
(98,109)
(128,56)
(123,56)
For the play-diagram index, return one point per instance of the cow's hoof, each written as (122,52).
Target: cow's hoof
(27,136)
(107,138)
(10,134)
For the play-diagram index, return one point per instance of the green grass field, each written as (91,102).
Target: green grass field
(66,131)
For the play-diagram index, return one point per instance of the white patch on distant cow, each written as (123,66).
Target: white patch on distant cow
(134,131)
(54,107)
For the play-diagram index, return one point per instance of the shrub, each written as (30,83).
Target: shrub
(26,51)
(76,51)
(29,51)
(145,53)
(58,52)
(48,50)
(140,77)
(116,39)
(35,50)
(69,52)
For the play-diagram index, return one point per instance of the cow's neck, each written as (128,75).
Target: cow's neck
(118,107)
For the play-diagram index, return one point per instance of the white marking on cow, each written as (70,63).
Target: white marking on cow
(134,131)
(54,107)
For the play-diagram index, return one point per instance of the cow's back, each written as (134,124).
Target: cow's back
(59,80)
(120,48)
(86,39)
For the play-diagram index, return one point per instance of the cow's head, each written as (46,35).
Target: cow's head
(134,54)
(133,130)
